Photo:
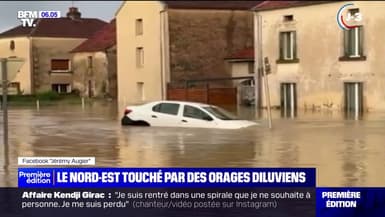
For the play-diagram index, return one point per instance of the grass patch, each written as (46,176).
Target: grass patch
(45,98)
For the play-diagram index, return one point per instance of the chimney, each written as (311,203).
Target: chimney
(73,13)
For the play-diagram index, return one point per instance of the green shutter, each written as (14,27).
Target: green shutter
(294,45)
(281,47)
(361,42)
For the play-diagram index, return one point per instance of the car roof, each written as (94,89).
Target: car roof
(182,102)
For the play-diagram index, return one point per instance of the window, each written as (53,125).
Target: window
(353,40)
(89,62)
(167,108)
(354,11)
(139,27)
(60,65)
(61,88)
(139,57)
(192,112)
(353,99)
(220,113)
(287,45)
(288,99)
(288,18)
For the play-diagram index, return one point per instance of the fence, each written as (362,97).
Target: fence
(216,96)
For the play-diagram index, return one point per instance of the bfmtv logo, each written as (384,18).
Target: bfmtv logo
(352,16)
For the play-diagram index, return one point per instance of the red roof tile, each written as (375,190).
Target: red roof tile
(245,54)
(101,40)
(59,27)
(223,5)
(271,5)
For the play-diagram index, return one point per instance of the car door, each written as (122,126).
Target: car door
(165,114)
(195,117)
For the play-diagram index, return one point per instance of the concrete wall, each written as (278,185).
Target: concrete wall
(201,39)
(129,75)
(239,69)
(98,73)
(320,74)
(45,49)
(22,50)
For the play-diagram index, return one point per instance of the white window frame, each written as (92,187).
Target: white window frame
(68,88)
(286,43)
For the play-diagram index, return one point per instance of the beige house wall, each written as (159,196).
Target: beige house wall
(98,73)
(138,84)
(320,74)
(44,49)
(22,50)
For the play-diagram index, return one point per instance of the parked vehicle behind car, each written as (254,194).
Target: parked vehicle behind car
(182,114)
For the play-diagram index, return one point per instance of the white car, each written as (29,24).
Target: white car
(182,114)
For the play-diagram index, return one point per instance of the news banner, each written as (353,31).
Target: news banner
(87,191)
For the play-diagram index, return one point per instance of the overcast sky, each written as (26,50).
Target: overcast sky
(104,10)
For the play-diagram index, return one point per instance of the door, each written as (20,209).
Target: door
(288,99)
(353,99)
(195,117)
(165,114)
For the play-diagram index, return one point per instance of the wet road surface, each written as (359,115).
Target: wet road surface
(345,152)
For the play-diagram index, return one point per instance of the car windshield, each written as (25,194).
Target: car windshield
(220,113)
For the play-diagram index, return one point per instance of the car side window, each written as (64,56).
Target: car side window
(166,108)
(193,112)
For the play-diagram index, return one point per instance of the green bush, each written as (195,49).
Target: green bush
(48,95)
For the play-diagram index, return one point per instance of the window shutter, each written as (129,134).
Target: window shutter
(281,47)
(59,64)
(361,40)
(294,45)
(346,43)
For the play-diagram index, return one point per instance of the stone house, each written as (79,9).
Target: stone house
(45,49)
(94,64)
(163,42)
(320,63)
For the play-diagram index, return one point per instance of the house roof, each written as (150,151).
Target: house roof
(59,27)
(273,5)
(100,40)
(222,5)
(244,54)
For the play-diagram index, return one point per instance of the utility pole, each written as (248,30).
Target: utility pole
(258,61)
(267,91)
(259,69)
(4,106)
(9,68)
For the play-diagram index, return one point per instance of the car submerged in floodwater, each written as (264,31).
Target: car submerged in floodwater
(182,114)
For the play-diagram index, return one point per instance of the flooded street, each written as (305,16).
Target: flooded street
(345,152)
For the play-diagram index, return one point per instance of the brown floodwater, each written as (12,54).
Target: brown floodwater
(345,152)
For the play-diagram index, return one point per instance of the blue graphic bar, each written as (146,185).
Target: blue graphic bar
(350,202)
(165,177)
